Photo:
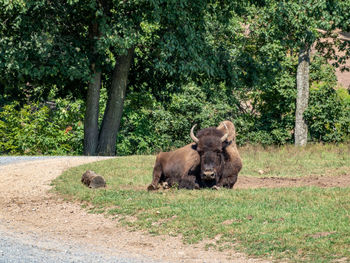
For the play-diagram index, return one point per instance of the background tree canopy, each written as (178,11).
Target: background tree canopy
(132,77)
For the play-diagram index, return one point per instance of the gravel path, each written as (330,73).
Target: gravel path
(22,247)
(16,159)
(34,247)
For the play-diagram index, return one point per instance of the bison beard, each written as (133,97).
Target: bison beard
(212,161)
(210,145)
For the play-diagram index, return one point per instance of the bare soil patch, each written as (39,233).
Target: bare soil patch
(26,206)
(245,182)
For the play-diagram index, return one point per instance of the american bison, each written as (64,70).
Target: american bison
(211,161)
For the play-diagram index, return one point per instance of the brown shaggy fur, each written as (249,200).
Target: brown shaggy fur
(176,168)
(182,167)
(233,161)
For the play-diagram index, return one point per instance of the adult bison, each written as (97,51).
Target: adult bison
(211,161)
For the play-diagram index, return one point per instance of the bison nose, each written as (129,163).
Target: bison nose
(208,175)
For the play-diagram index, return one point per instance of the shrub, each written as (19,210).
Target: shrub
(268,117)
(149,126)
(263,111)
(328,114)
(39,129)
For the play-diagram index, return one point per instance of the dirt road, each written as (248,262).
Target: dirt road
(27,209)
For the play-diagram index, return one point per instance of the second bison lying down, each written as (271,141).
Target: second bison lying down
(211,161)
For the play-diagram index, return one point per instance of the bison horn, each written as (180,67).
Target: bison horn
(194,138)
(223,138)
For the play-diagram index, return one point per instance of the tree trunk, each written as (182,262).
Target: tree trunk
(115,103)
(300,133)
(91,115)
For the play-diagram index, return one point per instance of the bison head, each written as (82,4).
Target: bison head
(210,144)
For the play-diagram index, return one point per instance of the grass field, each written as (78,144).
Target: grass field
(329,160)
(298,224)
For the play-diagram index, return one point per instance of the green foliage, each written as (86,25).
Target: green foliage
(321,71)
(344,95)
(36,129)
(195,62)
(328,114)
(55,43)
(265,115)
(296,23)
(149,126)
(275,106)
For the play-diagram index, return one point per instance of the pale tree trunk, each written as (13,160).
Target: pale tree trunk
(300,132)
(115,103)
(91,115)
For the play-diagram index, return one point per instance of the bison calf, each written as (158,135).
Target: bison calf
(93,180)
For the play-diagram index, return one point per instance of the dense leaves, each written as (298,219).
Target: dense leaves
(194,62)
(328,114)
(55,128)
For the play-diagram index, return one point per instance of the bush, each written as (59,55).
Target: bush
(37,129)
(274,101)
(328,114)
(275,105)
(263,111)
(264,116)
(149,126)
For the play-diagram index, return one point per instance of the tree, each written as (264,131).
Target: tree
(94,43)
(296,25)
(301,129)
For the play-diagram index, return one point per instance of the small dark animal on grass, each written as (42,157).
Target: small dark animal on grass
(93,180)
(212,161)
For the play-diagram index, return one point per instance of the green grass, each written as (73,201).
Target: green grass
(297,224)
(286,161)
